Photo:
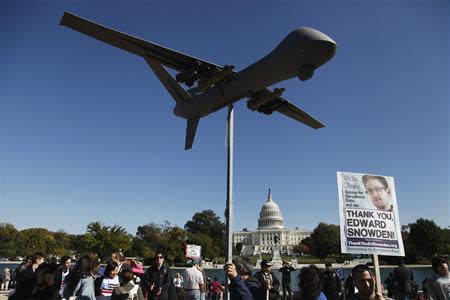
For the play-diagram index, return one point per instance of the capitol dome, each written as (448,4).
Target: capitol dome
(270,216)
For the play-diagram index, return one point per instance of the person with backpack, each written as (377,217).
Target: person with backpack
(128,290)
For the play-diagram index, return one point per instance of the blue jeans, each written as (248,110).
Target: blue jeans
(192,294)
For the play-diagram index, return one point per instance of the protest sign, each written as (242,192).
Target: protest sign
(193,251)
(368,214)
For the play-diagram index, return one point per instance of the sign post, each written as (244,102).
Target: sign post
(376,265)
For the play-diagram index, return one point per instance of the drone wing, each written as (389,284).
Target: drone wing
(191,69)
(167,57)
(267,101)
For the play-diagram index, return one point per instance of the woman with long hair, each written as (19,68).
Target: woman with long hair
(80,281)
(310,282)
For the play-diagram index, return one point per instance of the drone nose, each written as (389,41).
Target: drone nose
(312,34)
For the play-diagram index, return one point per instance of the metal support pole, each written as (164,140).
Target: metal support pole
(376,265)
(229,206)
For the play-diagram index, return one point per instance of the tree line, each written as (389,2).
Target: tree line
(205,229)
(422,240)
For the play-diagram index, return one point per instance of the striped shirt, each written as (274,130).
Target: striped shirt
(108,285)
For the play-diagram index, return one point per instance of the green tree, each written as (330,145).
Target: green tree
(411,255)
(140,248)
(62,243)
(152,235)
(301,249)
(176,242)
(308,242)
(238,248)
(210,249)
(8,237)
(446,245)
(325,240)
(426,238)
(165,238)
(105,240)
(36,240)
(206,228)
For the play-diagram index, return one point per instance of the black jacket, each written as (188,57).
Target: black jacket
(254,287)
(160,279)
(274,292)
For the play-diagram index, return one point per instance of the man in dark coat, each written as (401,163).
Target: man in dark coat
(158,279)
(402,281)
(331,283)
(390,285)
(244,268)
(237,287)
(286,280)
(270,285)
(26,285)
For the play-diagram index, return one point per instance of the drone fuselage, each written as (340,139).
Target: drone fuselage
(302,49)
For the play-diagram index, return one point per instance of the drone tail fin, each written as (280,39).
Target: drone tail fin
(191,128)
(178,93)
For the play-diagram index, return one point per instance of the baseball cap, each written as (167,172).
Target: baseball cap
(265,263)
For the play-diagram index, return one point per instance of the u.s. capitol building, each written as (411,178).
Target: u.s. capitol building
(270,228)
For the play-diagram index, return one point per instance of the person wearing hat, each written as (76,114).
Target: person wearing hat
(138,272)
(439,285)
(193,281)
(270,285)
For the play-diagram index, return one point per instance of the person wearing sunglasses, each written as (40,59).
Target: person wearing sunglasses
(158,279)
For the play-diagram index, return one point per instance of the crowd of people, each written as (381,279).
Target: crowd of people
(318,284)
(125,278)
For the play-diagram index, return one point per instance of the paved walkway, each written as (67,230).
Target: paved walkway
(3,295)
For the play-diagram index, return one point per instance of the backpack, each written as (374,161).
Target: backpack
(130,295)
(98,285)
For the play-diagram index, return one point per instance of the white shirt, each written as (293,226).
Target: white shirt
(192,278)
(178,282)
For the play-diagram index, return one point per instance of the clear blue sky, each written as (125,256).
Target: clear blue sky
(87,131)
